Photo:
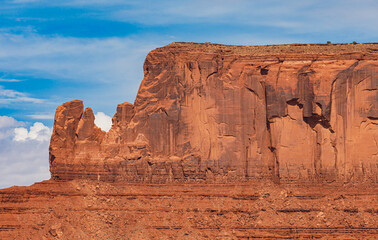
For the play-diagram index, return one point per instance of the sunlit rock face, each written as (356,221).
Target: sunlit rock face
(209,113)
(222,142)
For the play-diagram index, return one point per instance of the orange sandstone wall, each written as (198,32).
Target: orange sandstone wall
(217,113)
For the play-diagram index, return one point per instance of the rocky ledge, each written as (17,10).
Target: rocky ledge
(88,209)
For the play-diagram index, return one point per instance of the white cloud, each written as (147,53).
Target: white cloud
(38,132)
(97,64)
(79,59)
(8,96)
(23,162)
(41,116)
(116,61)
(6,122)
(20,134)
(72,3)
(9,80)
(292,15)
(25,1)
(103,121)
(6,126)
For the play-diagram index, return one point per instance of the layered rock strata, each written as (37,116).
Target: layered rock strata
(208,113)
(83,209)
(217,125)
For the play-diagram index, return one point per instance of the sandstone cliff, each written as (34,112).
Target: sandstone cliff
(217,113)
(217,125)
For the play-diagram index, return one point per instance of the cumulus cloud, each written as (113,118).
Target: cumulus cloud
(38,132)
(23,163)
(6,126)
(103,121)
(23,152)
(6,122)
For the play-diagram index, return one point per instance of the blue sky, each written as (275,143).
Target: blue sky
(55,51)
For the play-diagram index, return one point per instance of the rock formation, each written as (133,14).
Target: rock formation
(83,209)
(217,113)
(222,142)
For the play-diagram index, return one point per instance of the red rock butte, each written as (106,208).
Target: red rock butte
(218,113)
(222,142)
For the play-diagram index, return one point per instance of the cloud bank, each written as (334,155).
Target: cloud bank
(38,132)
(23,152)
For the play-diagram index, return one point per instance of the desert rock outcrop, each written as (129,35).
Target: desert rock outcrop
(200,153)
(84,209)
(217,113)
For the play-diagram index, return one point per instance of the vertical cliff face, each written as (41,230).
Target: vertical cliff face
(216,113)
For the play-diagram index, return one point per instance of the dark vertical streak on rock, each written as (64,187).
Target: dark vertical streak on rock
(276,164)
(305,90)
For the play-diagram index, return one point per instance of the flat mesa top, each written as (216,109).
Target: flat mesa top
(319,48)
